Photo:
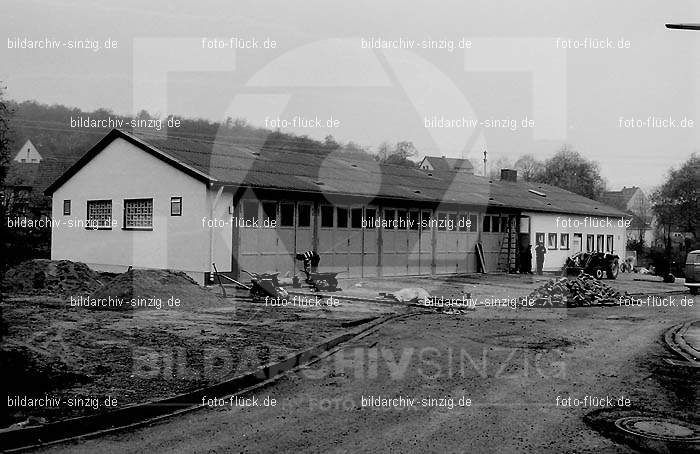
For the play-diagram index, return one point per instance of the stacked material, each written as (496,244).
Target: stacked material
(584,290)
(411,295)
(50,277)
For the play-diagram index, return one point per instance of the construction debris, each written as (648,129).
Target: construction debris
(409,295)
(584,290)
(50,277)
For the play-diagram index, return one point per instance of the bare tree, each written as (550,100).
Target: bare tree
(528,167)
(496,166)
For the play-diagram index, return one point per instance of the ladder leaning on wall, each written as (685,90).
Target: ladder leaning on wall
(507,261)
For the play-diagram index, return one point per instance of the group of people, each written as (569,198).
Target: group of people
(526,258)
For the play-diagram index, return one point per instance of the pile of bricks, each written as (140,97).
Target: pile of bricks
(584,290)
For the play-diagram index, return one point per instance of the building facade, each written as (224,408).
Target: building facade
(177,203)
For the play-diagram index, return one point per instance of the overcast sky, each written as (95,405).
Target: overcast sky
(512,70)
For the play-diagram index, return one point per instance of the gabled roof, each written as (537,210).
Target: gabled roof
(36,175)
(620,199)
(134,140)
(338,174)
(449,164)
(28,153)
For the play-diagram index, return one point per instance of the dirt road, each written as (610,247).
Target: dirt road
(518,373)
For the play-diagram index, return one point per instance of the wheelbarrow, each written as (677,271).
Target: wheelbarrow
(321,281)
(265,285)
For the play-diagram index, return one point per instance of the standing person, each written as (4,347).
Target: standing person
(540,251)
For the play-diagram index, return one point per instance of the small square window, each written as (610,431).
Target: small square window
(342,218)
(551,241)
(176,206)
(304,218)
(66,207)
(609,244)
(327,213)
(286,215)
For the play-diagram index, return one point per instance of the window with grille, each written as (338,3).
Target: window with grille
(138,214)
(99,214)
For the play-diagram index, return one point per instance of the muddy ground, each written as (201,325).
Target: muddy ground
(514,370)
(140,355)
(51,348)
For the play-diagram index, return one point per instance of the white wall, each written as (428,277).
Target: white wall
(554,223)
(122,171)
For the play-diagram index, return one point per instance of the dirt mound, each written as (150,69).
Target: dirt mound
(155,289)
(51,277)
(584,290)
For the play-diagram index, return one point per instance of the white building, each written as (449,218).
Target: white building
(169,202)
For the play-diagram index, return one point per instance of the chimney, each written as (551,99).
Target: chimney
(509,175)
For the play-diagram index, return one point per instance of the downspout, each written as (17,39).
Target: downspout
(211,229)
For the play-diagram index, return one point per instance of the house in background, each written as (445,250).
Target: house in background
(29,173)
(181,203)
(633,201)
(446,164)
(28,154)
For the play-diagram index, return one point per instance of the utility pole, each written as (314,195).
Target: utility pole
(484,162)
